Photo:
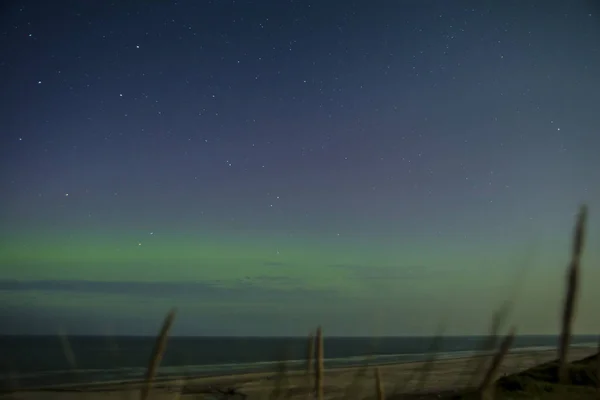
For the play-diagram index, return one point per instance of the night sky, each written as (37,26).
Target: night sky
(265,166)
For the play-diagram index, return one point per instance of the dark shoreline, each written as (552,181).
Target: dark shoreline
(232,376)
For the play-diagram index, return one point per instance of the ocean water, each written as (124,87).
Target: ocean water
(34,361)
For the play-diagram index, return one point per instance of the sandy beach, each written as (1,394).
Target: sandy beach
(356,382)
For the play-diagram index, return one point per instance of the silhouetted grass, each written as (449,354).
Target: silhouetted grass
(157,354)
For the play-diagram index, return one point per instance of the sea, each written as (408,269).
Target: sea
(40,361)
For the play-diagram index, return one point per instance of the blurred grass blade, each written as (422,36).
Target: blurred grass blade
(157,354)
(573,273)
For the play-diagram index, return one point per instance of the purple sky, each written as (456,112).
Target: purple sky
(294,163)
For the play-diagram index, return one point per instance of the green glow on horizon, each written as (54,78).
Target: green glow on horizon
(171,257)
(439,282)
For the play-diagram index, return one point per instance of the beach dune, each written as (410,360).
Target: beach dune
(356,382)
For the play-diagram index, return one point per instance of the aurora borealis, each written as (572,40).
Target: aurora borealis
(266,166)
